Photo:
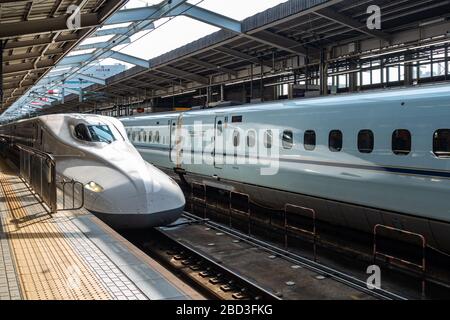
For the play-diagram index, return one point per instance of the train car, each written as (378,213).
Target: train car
(357,160)
(119,186)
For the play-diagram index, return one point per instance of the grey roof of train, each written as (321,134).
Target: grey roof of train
(385,94)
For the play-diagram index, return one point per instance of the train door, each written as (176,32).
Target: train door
(219,138)
(173,139)
(176,142)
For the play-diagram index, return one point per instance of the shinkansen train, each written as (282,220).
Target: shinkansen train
(357,160)
(119,186)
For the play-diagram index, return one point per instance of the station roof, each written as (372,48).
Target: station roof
(36,36)
(294,28)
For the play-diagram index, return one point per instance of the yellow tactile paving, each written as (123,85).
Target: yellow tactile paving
(47,266)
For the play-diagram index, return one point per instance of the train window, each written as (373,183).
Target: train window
(219,128)
(236,138)
(81,132)
(288,139)
(335,141)
(310,140)
(401,142)
(157,137)
(251,139)
(101,133)
(365,141)
(441,143)
(268,139)
(150,136)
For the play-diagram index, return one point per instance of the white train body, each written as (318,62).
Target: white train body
(120,187)
(359,172)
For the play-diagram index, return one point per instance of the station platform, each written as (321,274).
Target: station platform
(71,255)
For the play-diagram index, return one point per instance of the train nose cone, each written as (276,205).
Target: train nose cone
(151,200)
(167,201)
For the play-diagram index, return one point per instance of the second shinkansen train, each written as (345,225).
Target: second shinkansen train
(357,160)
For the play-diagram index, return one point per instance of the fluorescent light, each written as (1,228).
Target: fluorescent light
(344,72)
(430,44)
(406,61)
(427,23)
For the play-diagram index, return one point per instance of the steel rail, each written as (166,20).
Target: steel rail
(337,275)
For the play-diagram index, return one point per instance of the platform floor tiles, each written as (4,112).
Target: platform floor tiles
(71,255)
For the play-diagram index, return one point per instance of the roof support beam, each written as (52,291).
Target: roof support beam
(14,85)
(32,27)
(242,55)
(70,90)
(25,67)
(143,84)
(183,74)
(145,13)
(129,59)
(120,30)
(75,59)
(177,7)
(98,45)
(41,41)
(55,24)
(278,41)
(209,17)
(211,66)
(90,79)
(32,55)
(351,23)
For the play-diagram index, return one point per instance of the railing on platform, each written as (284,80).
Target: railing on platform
(38,169)
(72,195)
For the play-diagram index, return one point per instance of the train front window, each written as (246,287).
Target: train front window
(82,133)
(101,133)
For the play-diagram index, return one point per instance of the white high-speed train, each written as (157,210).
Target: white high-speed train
(357,160)
(120,187)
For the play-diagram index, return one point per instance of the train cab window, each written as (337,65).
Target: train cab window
(251,139)
(365,141)
(310,140)
(101,133)
(268,139)
(401,142)
(236,138)
(288,139)
(81,132)
(441,143)
(335,141)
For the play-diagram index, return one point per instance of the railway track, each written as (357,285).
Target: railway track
(216,278)
(309,264)
(210,277)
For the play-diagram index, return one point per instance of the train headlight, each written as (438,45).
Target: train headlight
(94,187)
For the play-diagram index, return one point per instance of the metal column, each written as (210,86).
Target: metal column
(1,74)
(323,73)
